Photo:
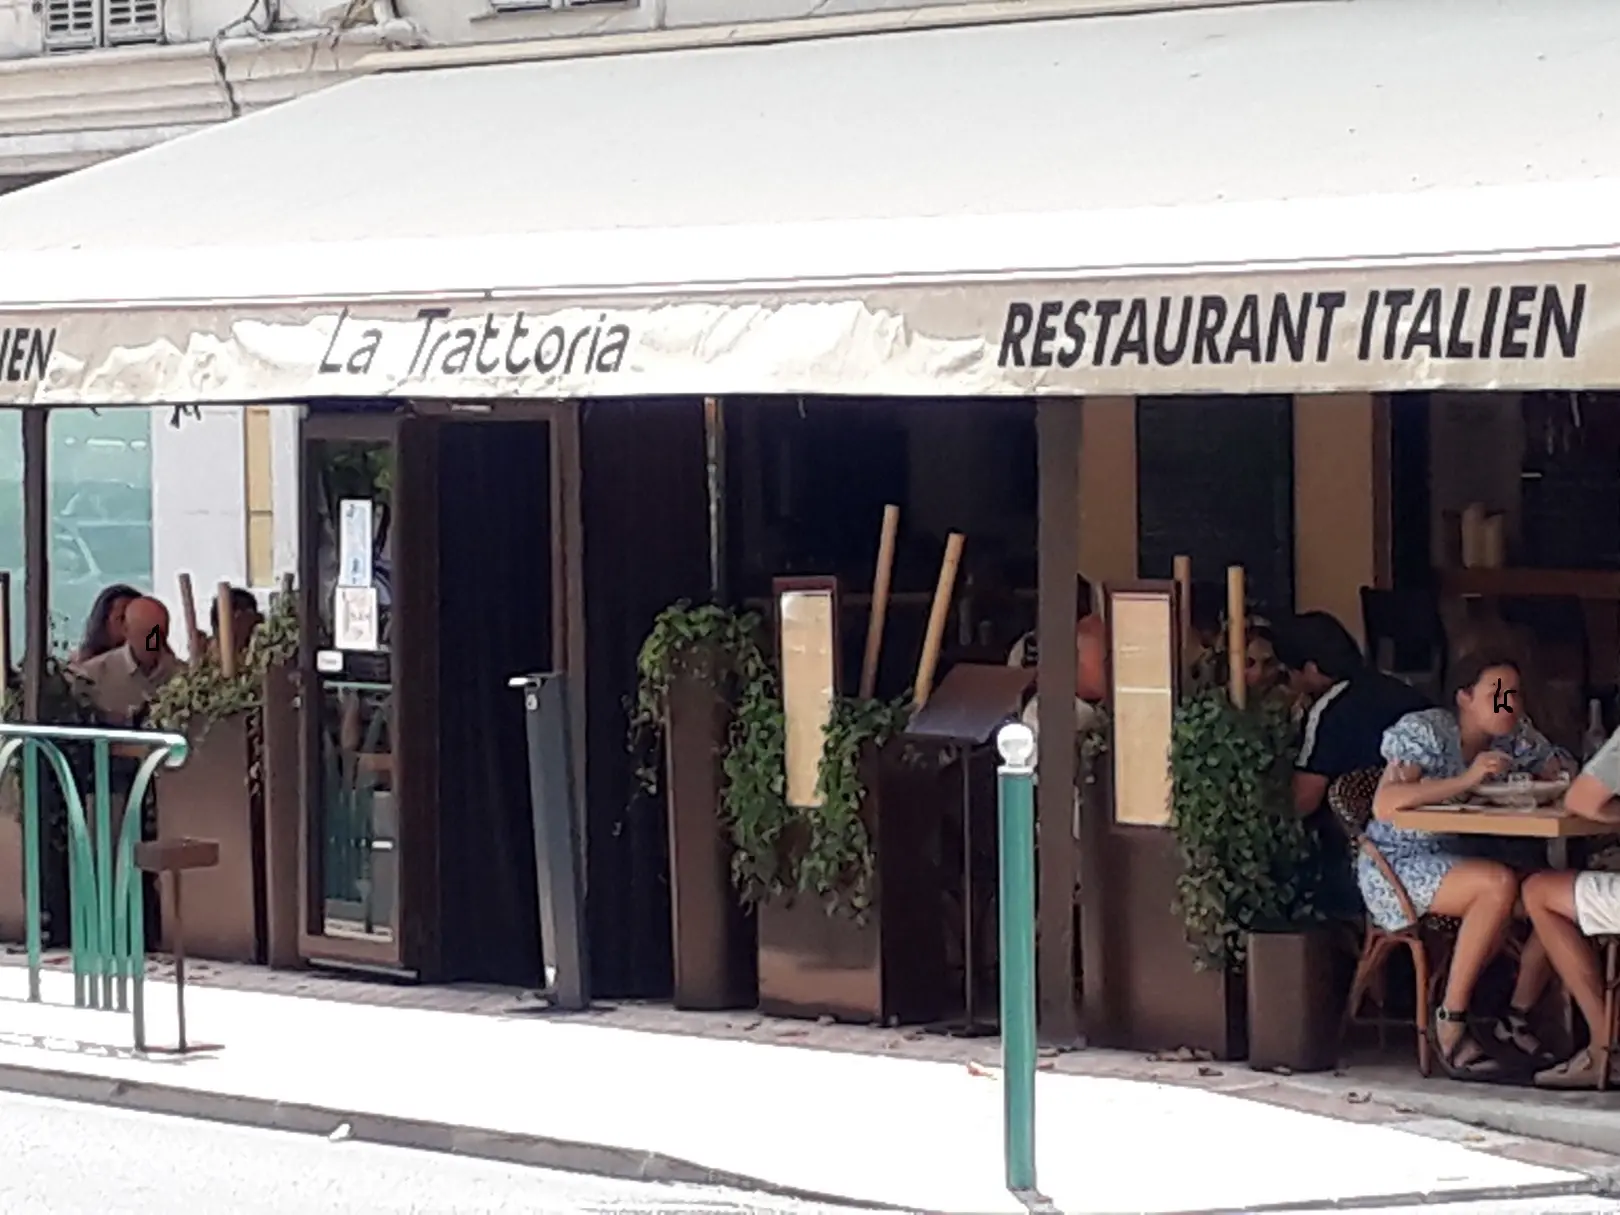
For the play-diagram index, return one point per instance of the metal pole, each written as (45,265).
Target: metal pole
(714,443)
(1016,797)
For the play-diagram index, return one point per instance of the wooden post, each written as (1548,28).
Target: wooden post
(714,443)
(1057,438)
(225,635)
(188,613)
(880,600)
(937,618)
(1237,635)
(1181,569)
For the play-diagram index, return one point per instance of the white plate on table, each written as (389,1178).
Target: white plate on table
(1522,793)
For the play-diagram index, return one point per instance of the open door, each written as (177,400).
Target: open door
(358,795)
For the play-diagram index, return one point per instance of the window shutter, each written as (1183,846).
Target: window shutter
(133,21)
(71,25)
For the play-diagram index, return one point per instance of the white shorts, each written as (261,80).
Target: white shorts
(1597,903)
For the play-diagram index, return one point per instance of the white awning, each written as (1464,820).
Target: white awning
(1295,197)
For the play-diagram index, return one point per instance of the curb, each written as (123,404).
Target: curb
(1548,1123)
(600,1160)
(261,1113)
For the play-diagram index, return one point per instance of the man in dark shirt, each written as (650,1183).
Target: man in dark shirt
(1352,705)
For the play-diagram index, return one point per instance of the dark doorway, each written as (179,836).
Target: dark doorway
(1215,481)
(494,621)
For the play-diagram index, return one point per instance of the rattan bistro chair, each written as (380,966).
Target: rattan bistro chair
(1606,1037)
(1429,938)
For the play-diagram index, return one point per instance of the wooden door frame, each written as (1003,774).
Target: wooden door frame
(418,946)
(314,944)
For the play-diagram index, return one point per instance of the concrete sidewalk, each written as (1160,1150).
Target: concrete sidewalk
(908,1133)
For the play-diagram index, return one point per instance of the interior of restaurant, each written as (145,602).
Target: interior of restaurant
(1411,518)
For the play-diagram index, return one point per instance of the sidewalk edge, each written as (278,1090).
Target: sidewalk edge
(263,1113)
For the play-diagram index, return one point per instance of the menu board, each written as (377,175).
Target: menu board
(808,682)
(1142,638)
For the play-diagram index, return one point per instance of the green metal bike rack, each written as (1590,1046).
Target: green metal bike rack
(107,914)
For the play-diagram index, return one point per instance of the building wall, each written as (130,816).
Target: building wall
(1108,489)
(1336,529)
(206,474)
(1338,536)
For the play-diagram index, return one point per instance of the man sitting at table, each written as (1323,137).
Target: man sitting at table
(122,682)
(1568,908)
(1351,705)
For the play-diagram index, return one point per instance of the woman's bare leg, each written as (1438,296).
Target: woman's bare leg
(1481,894)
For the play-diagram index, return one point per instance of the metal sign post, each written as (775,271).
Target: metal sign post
(556,842)
(1015,788)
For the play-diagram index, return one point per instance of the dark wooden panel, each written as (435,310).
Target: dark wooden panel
(1215,481)
(645,523)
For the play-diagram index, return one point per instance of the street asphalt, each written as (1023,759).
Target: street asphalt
(66,1158)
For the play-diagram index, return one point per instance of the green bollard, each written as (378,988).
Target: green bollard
(1016,796)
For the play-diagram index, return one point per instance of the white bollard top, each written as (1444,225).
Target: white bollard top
(1016,742)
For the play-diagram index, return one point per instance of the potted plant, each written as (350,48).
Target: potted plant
(828,944)
(221,792)
(699,683)
(741,859)
(1245,894)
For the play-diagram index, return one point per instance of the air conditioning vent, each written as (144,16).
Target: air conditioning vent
(133,21)
(71,24)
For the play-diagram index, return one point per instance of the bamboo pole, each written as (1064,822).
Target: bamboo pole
(188,613)
(880,600)
(225,635)
(937,618)
(1237,635)
(1181,570)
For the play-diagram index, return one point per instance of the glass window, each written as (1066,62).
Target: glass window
(100,474)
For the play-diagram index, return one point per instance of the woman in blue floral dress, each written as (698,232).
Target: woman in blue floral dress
(1441,755)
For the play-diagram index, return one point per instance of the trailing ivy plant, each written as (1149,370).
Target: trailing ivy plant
(202,694)
(1093,744)
(778,849)
(717,645)
(833,858)
(1246,854)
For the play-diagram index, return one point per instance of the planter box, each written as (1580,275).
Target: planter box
(283,801)
(891,966)
(55,912)
(1294,1010)
(13,912)
(208,798)
(715,946)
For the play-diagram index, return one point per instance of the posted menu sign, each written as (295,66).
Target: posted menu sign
(1524,326)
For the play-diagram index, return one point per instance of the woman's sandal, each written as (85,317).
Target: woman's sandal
(1513,1030)
(1479,1067)
(1577,1073)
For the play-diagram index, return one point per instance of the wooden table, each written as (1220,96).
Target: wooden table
(1547,823)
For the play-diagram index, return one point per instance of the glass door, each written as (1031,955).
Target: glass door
(351,870)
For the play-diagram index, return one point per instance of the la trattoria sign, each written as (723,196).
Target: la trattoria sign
(1519,327)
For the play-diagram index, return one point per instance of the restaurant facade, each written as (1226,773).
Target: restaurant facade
(535,358)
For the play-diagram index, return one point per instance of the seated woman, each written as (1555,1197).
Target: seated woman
(1438,755)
